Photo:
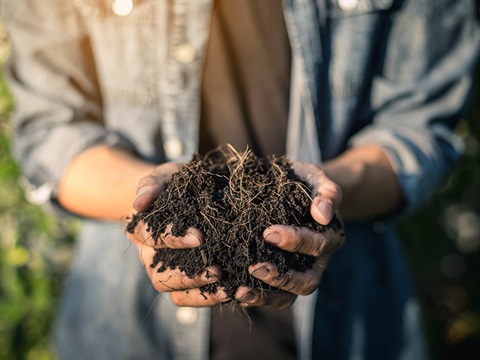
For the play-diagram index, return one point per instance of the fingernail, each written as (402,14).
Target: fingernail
(221,295)
(247,297)
(191,240)
(326,209)
(261,273)
(141,193)
(274,238)
(210,276)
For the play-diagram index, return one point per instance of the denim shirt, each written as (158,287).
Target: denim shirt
(391,72)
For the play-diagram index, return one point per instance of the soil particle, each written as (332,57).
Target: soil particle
(231,198)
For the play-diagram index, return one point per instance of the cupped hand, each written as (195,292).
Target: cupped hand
(184,291)
(326,197)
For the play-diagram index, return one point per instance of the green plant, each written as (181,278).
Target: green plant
(35,250)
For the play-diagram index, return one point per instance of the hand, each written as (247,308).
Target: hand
(183,291)
(326,198)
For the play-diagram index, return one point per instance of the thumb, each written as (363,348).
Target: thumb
(326,194)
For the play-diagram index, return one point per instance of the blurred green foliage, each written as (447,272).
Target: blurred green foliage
(35,250)
(442,243)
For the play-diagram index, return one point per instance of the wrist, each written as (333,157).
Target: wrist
(349,175)
(368,182)
(101,182)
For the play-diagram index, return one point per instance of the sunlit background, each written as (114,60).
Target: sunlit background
(442,242)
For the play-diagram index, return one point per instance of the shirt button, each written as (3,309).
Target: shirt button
(186,315)
(122,7)
(347,4)
(37,195)
(185,54)
(173,149)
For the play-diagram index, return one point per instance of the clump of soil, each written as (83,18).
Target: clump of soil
(231,198)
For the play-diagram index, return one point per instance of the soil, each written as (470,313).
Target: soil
(231,198)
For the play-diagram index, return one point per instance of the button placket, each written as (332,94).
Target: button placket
(182,54)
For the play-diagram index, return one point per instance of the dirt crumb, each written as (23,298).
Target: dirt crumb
(231,198)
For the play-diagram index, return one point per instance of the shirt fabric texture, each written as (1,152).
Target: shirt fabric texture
(396,73)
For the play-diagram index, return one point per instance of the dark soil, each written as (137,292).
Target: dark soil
(232,198)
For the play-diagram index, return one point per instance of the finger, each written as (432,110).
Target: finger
(192,238)
(141,236)
(248,297)
(146,196)
(172,280)
(326,194)
(145,251)
(197,298)
(149,187)
(299,283)
(304,240)
(176,280)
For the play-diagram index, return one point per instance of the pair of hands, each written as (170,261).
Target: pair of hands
(185,291)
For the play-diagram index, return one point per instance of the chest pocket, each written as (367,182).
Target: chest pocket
(126,38)
(356,27)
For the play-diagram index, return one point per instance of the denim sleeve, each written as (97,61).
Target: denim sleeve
(418,95)
(51,75)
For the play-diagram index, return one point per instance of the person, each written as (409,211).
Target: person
(363,95)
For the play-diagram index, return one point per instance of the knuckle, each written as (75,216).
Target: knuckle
(331,242)
(145,254)
(145,181)
(286,300)
(167,281)
(335,187)
(168,240)
(309,287)
(316,252)
(277,299)
(285,282)
(318,247)
(179,298)
(220,296)
(159,284)
(291,239)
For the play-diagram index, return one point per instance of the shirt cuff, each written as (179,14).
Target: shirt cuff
(421,159)
(48,161)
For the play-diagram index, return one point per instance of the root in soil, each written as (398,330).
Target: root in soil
(231,198)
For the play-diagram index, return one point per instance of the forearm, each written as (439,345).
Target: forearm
(101,183)
(369,185)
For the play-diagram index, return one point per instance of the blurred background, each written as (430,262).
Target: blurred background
(441,241)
